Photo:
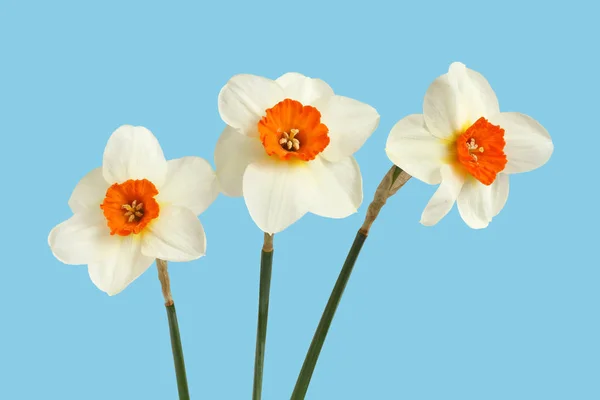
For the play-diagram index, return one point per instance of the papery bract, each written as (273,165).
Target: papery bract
(464,143)
(134,209)
(288,148)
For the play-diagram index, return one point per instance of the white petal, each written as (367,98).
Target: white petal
(456,100)
(132,152)
(444,197)
(500,188)
(304,89)
(123,263)
(244,100)
(89,192)
(479,203)
(81,239)
(414,149)
(277,194)
(233,153)
(528,144)
(191,183)
(339,187)
(177,235)
(350,124)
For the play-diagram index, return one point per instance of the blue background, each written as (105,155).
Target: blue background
(509,312)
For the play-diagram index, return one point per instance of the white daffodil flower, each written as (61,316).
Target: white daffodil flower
(288,148)
(134,209)
(464,143)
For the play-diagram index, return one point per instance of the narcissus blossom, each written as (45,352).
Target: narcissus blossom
(288,148)
(134,209)
(464,143)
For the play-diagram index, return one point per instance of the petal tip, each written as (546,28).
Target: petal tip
(426,223)
(239,76)
(478,224)
(124,126)
(478,227)
(198,256)
(131,129)
(109,292)
(294,73)
(457,65)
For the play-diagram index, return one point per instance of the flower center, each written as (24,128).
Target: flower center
(133,212)
(289,141)
(480,149)
(129,206)
(290,129)
(473,148)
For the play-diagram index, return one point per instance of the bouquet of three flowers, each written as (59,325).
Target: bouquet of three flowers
(288,150)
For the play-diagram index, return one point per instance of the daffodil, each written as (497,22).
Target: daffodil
(464,143)
(136,208)
(288,148)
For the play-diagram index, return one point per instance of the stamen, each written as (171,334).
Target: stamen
(296,143)
(288,140)
(472,146)
(133,211)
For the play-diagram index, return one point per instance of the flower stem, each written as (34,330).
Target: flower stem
(182,385)
(266,263)
(392,181)
(319,338)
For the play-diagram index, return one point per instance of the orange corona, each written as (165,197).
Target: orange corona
(130,206)
(480,149)
(292,130)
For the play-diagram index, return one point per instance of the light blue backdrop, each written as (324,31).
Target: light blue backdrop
(510,312)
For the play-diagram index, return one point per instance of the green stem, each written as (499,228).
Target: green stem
(165,285)
(182,385)
(266,263)
(321,333)
(390,184)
